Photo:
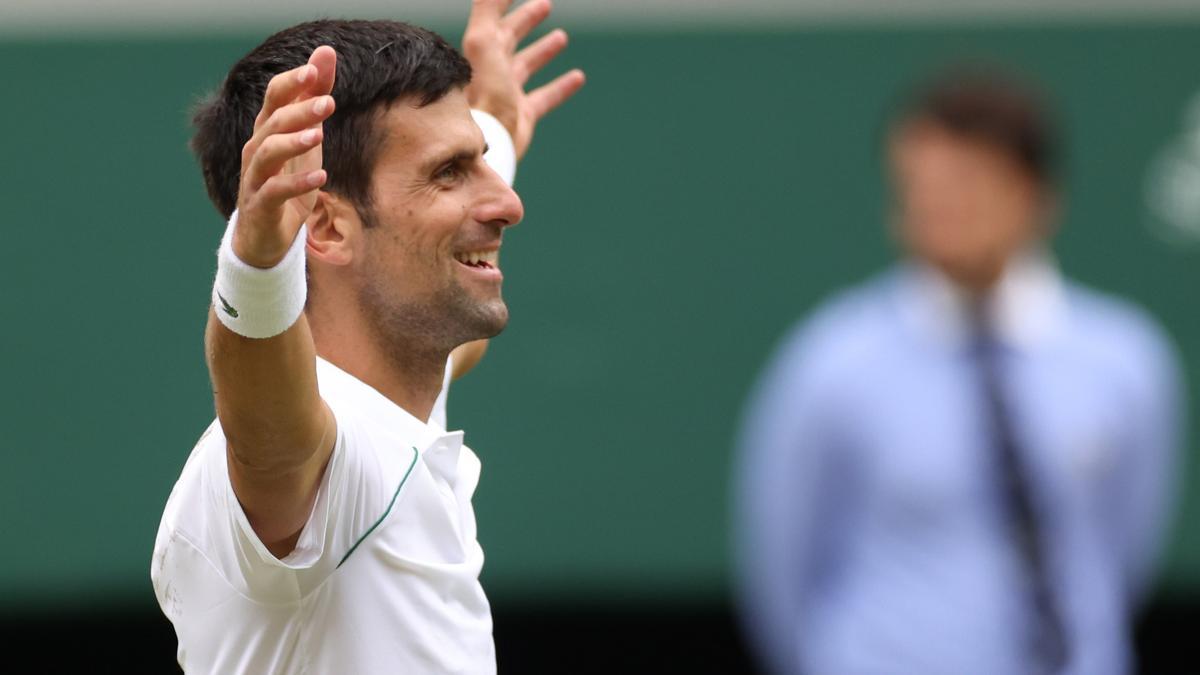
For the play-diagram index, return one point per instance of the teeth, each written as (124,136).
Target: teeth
(476,257)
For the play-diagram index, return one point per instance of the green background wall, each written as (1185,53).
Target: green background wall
(703,192)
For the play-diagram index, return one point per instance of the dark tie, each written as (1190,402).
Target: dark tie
(1047,638)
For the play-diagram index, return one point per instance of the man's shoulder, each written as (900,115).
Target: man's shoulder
(188,518)
(847,324)
(847,334)
(861,305)
(1102,308)
(188,512)
(1119,332)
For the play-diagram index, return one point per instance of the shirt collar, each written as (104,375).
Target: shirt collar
(438,448)
(1028,304)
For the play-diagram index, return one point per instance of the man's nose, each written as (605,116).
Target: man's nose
(499,204)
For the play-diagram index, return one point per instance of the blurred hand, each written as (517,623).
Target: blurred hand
(501,72)
(281,163)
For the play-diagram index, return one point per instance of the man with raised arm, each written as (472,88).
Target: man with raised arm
(323,523)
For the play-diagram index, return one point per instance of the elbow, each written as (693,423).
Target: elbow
(264,447)
(271,439)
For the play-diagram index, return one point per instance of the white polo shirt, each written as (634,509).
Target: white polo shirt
(384,579)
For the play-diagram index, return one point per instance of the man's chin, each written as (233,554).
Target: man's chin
(489,319)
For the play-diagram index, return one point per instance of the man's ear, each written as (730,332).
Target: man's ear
(333,230)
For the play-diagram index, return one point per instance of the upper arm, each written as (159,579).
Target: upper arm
(279,433)
(1147,474)
(784,454)
(207,526)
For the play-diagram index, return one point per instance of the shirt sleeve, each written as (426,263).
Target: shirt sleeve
(786,481)
(357,490)
(1145,482)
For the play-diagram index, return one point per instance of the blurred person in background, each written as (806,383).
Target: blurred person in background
(964,465)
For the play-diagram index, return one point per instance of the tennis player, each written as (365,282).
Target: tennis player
(323,523)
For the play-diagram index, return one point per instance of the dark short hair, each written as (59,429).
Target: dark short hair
(987,104)
(378,63)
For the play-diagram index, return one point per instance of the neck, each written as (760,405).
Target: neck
(406,374)
(974,282)
(976,279)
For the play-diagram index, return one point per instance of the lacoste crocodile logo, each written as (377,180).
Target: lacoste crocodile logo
(226,307)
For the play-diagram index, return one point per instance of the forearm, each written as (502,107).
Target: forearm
(1146,481)
(279,433)
(266,394)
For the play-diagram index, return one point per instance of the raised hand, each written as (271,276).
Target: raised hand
(501,72)
(281,163)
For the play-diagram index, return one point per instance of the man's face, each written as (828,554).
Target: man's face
(430,275)
(962,204)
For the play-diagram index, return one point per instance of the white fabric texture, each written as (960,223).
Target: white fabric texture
(501,154)
(384,579)
(255,302)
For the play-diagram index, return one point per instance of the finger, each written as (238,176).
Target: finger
(525,18)
(313,78)
(551,95)
(324,59)
(487,10)
(276,151)
(283,88)
(532,58)
(296,116)
(279,189)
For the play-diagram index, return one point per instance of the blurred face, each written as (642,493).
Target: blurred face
(430,274)
(962,204)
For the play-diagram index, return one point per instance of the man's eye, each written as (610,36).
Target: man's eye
(448,172)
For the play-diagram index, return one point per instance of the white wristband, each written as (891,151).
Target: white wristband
(501,154)
(255,302)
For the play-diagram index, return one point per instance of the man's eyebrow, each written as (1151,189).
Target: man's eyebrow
(455,157)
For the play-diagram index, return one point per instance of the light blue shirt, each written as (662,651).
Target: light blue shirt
(870,529)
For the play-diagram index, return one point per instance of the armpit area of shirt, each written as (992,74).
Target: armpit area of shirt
(311,544)
(249,564)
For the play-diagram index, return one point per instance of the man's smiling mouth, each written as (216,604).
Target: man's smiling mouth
(479,259)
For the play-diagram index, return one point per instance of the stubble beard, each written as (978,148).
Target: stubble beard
(431,327)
